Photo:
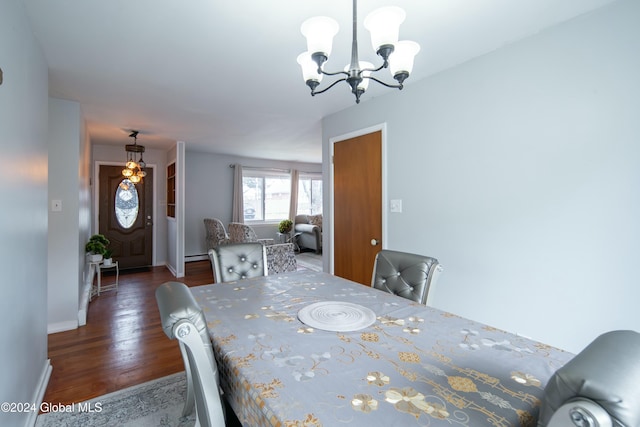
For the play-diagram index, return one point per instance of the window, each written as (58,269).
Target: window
(266,194)
(310,194)
(126,203)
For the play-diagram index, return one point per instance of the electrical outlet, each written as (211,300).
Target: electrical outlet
(56,206)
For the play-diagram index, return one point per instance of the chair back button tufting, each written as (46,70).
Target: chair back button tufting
(405,274)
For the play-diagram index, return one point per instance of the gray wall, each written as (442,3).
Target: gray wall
(68,228)
(209,193)
(23,218)
(519,171)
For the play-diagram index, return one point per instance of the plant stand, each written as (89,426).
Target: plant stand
(284,237)
(290,237)
(99,266)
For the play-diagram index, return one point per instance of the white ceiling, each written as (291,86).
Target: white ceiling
(222,76)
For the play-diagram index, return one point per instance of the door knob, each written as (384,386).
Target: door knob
(375,242)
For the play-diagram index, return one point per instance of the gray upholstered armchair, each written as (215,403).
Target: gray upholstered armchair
(215,233)
(281,258)
(308,231)
(600,387)
(243,233)
(404,274)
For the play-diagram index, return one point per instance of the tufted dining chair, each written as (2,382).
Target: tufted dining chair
(408,275)
(183,320)
(237,261)
(215,233)
(243,233)
(598,387)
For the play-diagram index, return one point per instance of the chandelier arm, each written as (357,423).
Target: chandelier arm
(334,74)
(313,92)
(373,70)
(398,86)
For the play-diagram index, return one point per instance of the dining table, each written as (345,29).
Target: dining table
(313,349)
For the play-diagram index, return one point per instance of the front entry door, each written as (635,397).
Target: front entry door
(357,164)
(125,216)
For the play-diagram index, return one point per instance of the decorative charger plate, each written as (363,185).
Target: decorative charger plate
(336,316)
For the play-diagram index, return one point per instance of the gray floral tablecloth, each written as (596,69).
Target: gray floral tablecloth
(414,366)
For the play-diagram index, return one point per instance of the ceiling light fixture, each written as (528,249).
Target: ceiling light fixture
(384,26)
(134,170)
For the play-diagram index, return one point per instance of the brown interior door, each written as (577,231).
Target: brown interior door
(129,232)
(357,164)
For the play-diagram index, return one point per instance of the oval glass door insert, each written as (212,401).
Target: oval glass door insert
(127,203)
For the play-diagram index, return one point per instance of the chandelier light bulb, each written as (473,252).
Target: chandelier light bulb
(141,174)
(401,60)
(309,68)
(127,172)
(384,26)
(135,179)
(319,32)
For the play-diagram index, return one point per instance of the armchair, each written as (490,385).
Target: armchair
(215,234)
(308,229)
(281,258)
(243,233)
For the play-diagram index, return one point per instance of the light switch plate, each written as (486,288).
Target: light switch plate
(395,205)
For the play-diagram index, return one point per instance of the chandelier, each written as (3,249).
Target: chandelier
(134,170)
(384,26)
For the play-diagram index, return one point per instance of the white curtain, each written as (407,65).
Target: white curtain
(293,201)
(238,202)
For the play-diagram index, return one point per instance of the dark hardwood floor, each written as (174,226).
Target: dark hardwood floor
(122,343)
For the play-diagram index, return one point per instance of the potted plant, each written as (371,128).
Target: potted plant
(96,247)
(107,257)
(285,226)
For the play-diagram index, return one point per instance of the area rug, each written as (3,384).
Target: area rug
(310,261)
(155,403)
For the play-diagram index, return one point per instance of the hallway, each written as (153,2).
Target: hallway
(122,343)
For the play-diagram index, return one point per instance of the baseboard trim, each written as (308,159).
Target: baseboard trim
(192,258)
(67,325)
(86,296)
(172,270)
(84,304)
(39,392)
